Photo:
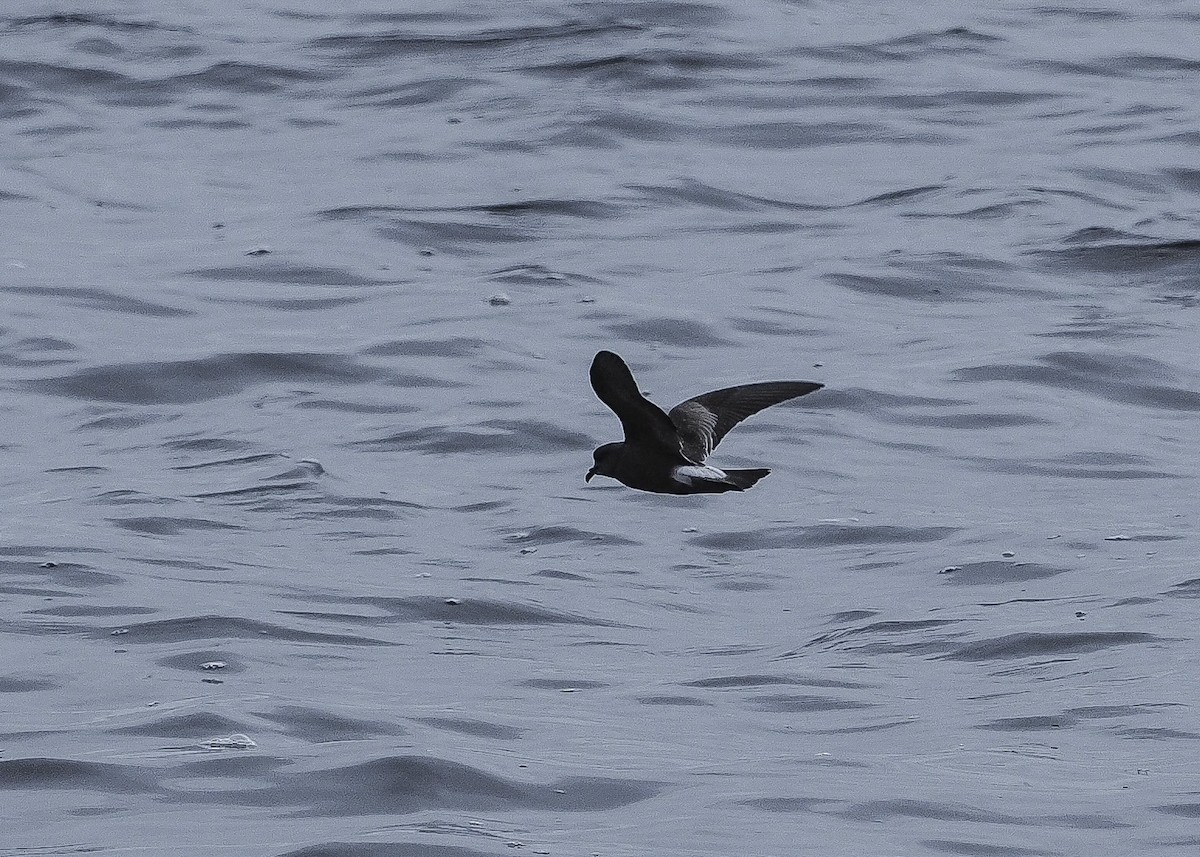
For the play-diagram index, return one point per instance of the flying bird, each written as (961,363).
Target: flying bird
(665,452)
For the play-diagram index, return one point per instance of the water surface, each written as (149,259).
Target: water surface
(299,299)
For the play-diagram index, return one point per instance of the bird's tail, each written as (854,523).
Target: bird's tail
(743,479)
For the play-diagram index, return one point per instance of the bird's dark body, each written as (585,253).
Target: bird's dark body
(638,467)
(665,453)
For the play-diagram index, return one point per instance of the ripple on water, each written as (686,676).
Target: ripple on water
(992,572)
(23,684)
(1127,378)
(193,726)
(881,811)
(1123,256)
(699,194)
(234,461)
(803,703)
(163,526)
(919,286)
(1075,465)
(190,628)
(92,298)
(286,274)
(1186,589)
(477,728)
(1071,717)
(819,536)
(430,90)
(923,410)
(457,346)
(376,43)
(483,438)
(1048,644)
(460,231)
(387,849)
(318,726)
(199,380)
(69,575)
(206,660)
(470,611)
(409,784)
(563,685)
(552,535)
(682,333)
(70,775)
(910,637)
(755,680)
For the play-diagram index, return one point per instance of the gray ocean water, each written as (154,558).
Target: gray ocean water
(297,301)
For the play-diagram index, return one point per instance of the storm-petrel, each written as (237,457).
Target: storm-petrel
(665,452)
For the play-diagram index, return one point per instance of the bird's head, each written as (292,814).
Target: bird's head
(604,460)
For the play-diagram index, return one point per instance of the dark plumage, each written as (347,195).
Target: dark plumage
(665,452)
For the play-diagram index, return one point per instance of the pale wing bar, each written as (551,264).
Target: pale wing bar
(703,420)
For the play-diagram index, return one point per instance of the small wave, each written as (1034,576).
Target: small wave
(284,274)
(69,775)
(994,572)
(458,346)
(682,333)
(67,574)
(99,299)
(408,784)
(471,611)
(477,728)
(20,684)
(163,526)
(560,534)
(798,703)
(820,535)
(737,682)
(189,628)
(190,727)
(489,436)
(320,726)
(1032,644)
(1128,378)
(203,379)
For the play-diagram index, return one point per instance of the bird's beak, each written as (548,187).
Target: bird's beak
(590,474)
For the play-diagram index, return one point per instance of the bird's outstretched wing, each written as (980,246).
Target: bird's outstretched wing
(643,421)
(703,420)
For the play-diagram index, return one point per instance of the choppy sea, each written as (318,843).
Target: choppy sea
(297,302)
